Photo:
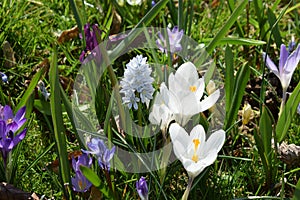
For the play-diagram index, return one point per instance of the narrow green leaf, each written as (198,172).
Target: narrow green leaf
(265,127)
(90,175)
(297,191)
(96,181)
(229,77)
(68,108)
(235,14)
(34,81)
(287,114)
(58,124)
(239,88)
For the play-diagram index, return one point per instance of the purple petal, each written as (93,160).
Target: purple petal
(20,114)
(19,137)
(271,65)
(283,57)
(292,61)
(8,113)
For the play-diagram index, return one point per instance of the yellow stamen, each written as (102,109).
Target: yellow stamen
(193,88)
(195,156)
(9,121)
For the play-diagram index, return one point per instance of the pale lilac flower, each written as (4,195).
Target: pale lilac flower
(287,66)
(3,77)
(80,182)
(298,109)
(174,38)
(142,188)
(14,122)
(42,88)
(8,140)
(103,154)
(137,82)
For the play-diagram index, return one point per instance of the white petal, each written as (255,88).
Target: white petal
(188,72)
(209,101)
(215,141)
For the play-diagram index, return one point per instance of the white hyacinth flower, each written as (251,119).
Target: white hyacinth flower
(137,82)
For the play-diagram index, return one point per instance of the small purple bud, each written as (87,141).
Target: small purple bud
(153,3)
(3,77)
(142,188)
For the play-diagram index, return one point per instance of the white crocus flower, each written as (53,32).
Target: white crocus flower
(134,2)
(194,151)
(182,99)
(189,89)
(161,113)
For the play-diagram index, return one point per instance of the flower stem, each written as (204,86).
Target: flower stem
(282,102)
(188,189)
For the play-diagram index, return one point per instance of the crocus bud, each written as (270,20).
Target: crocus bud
(247,113)
(142,188)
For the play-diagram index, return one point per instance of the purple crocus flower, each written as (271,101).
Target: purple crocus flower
(298,109)
(103,154)
(287,66)
(80,182)
(91,41)
(142,188)
(13,122)
(3,77)
(174,37)
(8,140)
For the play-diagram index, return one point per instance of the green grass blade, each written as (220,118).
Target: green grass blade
(235,14)
(237,41)
(40,156)
(287,114)
(58,124)
(68,107)
(180,15)
(239,88)
(276,32)
(135,31)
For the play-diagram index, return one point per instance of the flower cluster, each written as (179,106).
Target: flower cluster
(182,99)
(137,82)
(174,37)
(179,102)
(9,125)
(91,38)
(80,182)
(103,154)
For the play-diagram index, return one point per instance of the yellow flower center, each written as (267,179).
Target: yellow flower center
(193,88)
(9,121)
(196,144)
